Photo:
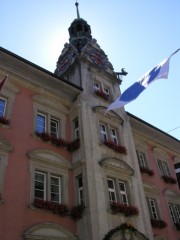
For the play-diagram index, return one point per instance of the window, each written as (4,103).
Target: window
(80,190)
(54,124)
(2,107)
(106,90)
(103,133)
(114,136)
(117,191)
(175,213)
(123,193)
(47,190)
(141,158)
(97,86)
(55,189)
(153,209)
(43,125)
(76,128)
(163,168)
(111,190)
(108,133)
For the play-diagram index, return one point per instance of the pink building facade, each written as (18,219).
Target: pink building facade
(31,164)
(157,152)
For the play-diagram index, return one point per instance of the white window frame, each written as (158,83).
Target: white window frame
(57,186)
(103,132)
(141,158)
(76,128)
(80,190)
(111,191)
(174,210)
(97,86)
(44,185)
(48,120)
(38,127)
(47,185)
(114,137)
(106,90)
(123,193)
(153,208)
(54,132)
(163,168)
(2,114)
(120,195)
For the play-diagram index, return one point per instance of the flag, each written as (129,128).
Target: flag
(3,81)
(130,94)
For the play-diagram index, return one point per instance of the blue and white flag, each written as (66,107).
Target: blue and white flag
(130,94)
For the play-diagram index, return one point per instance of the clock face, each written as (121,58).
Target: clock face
(66,60)
(99,58)
(64,64)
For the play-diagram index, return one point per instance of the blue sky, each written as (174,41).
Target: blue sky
(135,34)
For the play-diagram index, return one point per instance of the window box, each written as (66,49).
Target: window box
(115,147)
(74,145)
(4,121)
(76,212)
(127,210)
(102,94)
(158,223)
(169,179)
(59,142)
(57,208)
(147,171)
(44,136)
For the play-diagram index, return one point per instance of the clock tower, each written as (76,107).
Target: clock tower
(106,161)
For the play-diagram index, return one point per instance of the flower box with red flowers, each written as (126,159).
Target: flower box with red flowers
(115,147)
(102,94)
(76,212)
(59,142)
(169,179)
(4,120)
(74,145)
(147,171)
(127,210)
(57,208)
(44,136)
(157,223)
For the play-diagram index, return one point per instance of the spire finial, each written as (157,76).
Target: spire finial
(78,16)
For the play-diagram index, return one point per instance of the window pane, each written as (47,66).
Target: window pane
(111,190)
(141,158)
(153,209)
(2,107)
(106,90)
(96,86)
(54,127)
(172,213)
(114,136)
(55,189)
(103,133)
(76,128)
(80,190)
(40,123)
(123,193)
(39,185)
(160,167)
